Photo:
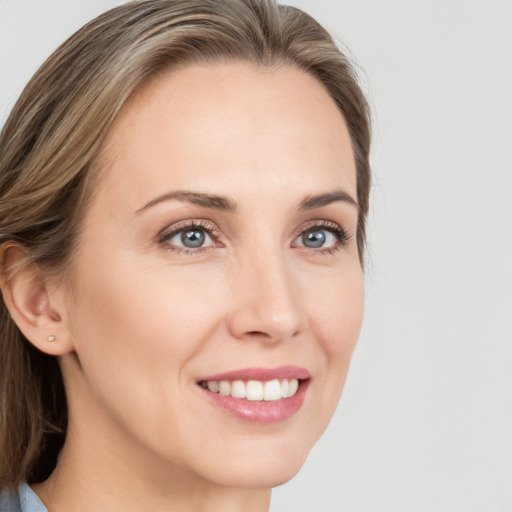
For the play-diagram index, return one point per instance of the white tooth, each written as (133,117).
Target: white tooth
(284,388)
(213,386)
(224,388)
(272,390)
(238,389)
(294,385)
(254,390)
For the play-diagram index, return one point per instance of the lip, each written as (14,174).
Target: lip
(260,411)
(263,374)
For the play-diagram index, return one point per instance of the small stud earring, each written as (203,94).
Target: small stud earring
(51,338)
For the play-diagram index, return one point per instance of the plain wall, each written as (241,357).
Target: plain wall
(425,422)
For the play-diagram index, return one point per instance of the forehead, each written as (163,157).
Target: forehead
(200,125)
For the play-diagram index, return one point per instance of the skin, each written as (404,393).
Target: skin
(139,320)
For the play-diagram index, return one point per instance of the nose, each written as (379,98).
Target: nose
(267,302)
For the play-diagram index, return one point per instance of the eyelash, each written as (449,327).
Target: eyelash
(211,230)
(339,233)
(201,224)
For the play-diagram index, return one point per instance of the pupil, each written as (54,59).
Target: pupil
(193,238)
(314,239)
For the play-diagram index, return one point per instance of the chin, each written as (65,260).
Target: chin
(265,468)
(259,478)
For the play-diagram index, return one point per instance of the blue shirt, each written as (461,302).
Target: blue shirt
(25,500)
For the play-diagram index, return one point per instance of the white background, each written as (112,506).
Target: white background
(425,423)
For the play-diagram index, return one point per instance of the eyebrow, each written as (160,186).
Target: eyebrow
(223,203)
(207,200)
(319,200)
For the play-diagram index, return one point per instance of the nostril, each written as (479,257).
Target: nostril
(260,334)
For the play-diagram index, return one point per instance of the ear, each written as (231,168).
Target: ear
(36,307)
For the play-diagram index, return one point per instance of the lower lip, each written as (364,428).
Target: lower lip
(260,411)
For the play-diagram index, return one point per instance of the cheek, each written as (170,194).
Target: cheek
(143,307)
(336,317)
(337,313)
(343,320)
(135,330)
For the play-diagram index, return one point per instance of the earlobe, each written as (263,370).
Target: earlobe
(33,308)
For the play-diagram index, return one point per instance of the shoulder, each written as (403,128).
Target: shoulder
(24,500)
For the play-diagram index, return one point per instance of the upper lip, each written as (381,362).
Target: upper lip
(261,374)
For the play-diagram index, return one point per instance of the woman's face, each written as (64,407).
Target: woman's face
(219,248)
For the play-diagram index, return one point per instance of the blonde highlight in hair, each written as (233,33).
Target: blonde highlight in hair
(49,150)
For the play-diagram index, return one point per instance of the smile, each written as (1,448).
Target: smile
(258,394)
(254,390)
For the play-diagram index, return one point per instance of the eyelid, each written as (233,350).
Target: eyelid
(321,223)
(204,224)
(341,234)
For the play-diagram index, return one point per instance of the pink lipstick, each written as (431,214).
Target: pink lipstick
(263,395)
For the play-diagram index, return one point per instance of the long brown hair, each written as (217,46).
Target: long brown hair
(50,142)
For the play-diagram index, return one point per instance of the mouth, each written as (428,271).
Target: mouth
(257,394)
(254,390)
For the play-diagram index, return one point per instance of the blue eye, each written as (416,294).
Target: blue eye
(326,236)
(193,238)
(315,239)
(188,237)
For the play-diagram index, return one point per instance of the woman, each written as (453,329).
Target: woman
(184,188)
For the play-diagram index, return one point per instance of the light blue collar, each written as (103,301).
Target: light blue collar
(29,501)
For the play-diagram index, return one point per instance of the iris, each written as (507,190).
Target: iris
(193,238)
(314,239)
